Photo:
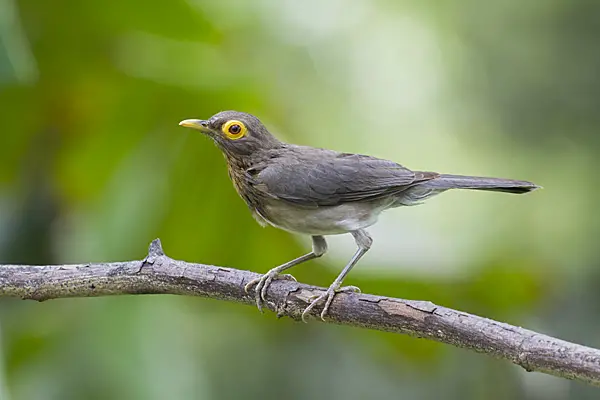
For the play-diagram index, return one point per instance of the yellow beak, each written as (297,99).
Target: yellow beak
(198,124)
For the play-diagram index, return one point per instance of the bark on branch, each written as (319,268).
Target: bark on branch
(159,274)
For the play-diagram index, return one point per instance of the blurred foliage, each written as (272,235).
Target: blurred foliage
(93,166)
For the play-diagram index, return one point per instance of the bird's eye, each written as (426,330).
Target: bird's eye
(234,129)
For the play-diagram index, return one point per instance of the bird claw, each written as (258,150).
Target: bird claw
(263,283)
(328,296)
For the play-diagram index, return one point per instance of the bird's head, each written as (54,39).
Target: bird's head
(236,133)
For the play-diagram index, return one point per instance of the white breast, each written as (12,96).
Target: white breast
(329,220)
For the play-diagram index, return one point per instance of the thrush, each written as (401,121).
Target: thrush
(321,192)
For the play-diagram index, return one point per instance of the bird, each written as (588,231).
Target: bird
(320,192)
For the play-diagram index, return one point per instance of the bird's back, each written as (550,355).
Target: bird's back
(315,177)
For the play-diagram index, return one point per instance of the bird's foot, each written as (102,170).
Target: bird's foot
(328,297)
(262,284)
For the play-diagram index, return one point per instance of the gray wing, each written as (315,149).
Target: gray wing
(333,178)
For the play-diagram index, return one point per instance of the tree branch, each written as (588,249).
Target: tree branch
(159,274)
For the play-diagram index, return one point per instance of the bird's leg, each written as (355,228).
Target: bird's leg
(319,247)
(363,241)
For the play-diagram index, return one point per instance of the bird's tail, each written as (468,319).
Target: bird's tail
(421,191)
(445,182)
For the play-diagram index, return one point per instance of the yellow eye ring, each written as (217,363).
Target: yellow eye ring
(234,129)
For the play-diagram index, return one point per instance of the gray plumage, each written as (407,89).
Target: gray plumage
(322,192)
(316,177)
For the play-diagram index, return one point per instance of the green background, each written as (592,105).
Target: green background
(93,167)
